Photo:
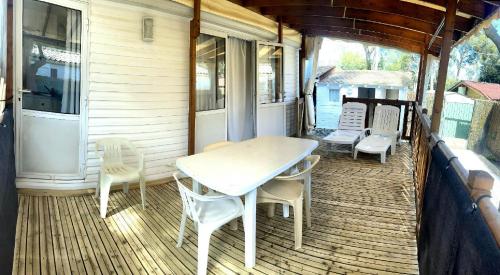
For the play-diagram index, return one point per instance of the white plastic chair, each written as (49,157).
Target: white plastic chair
(209,212)
(383,134)
(351,126)
(288,190)
(114,170)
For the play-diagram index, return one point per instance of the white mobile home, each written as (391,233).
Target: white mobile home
(91,69)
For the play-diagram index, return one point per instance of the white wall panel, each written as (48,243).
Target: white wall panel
(137,89)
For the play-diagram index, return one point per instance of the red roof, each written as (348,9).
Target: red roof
(489,90)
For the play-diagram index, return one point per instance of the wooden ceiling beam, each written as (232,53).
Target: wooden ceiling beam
(374,16)
(418,44)
(477,8)
(369,39)
(297,22)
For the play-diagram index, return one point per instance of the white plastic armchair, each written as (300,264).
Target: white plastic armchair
(115,170)
(290,190)
(209,212)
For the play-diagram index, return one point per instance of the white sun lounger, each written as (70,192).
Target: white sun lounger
(383,134)
(351,126)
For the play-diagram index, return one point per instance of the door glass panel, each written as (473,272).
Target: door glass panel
(51,57)
(210,72)
(270,64)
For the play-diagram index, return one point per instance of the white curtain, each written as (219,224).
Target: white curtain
(241,90)
(313,44)
(71,86)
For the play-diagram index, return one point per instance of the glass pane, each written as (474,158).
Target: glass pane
(270,71)
(51,57)
(210,72)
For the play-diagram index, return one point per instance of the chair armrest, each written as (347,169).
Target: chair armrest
(366,132)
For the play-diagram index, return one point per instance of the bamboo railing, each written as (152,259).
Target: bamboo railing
(477,182)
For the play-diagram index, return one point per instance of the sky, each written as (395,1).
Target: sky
(332,50)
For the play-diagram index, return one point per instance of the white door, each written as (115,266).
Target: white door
(50,80)
(271,110)
(211,115)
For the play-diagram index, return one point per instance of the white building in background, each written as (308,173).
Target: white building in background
(333,85)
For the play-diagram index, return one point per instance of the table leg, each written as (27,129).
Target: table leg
(250,227)
(307,194)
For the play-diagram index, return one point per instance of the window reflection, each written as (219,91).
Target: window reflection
(51,57)
(270,72)
(210,72)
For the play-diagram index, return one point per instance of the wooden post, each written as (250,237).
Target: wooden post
(302,56)
(193,35)
(422,70)
(449,25)
(280,30)
(481,183)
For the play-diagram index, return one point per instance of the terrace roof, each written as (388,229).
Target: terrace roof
(405,24)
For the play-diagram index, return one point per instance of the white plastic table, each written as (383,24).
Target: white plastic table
(240,168)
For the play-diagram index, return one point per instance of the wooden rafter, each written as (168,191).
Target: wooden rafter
(407,19)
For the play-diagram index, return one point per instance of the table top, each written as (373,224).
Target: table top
(239,168)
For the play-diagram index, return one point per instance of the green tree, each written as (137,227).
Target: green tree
(352,61)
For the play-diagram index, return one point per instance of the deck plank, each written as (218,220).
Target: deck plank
(363,221)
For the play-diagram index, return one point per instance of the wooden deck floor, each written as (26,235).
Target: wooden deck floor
(363,222)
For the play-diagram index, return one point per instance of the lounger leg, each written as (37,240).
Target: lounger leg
(181,228)
(103,205)
(203,245)
(382,158)
(355,153)
(297,216)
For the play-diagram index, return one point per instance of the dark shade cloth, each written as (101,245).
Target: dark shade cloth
(8,192)
(454,238)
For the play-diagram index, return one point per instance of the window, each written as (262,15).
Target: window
(366,92)
(334,95)
(270,70)
(392,94)
(51,57)
(210,72)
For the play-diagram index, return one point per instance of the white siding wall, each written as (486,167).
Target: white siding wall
(291,87)
(137,89)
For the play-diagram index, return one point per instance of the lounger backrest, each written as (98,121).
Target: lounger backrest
(353,116)
(386,119)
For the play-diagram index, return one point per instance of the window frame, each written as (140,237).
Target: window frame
(223,35)
(281,75)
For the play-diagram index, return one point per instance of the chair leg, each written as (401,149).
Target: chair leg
(355,153)
(181,228)
(203,245)
(382,157)
(270,210)
(286,210)
(297,217)
(98,187)
(105,185)
(142,183)
(125,187)
(234,225)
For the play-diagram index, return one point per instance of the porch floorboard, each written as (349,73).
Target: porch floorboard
(363,220)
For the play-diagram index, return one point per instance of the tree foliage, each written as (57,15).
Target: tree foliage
(352,61)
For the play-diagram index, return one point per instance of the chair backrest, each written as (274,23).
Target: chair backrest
(112,149)
(386,119)
(217,145)
(189,198)
(353,116)
(313,159)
